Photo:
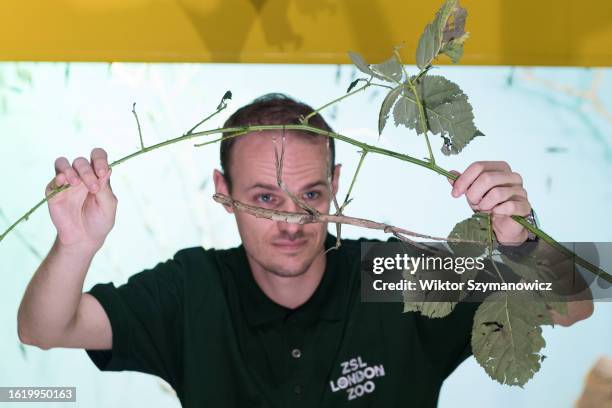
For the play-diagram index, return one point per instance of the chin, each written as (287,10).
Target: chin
(288,266)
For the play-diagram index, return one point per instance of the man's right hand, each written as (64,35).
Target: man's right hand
(84,213)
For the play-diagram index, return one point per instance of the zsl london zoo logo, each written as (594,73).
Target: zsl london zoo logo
(357,378)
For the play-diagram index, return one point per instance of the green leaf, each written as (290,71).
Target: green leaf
(448,26)
(389,69)
(474,228)
(428,46)
(507,337)
(435,303)
(431,309)
(386,106)
(406,112)
(447,112)
(360,63)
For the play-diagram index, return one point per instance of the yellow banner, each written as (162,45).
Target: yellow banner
(503,32)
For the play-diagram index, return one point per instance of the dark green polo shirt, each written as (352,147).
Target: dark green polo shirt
(200,322)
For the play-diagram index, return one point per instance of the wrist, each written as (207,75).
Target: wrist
(80,248)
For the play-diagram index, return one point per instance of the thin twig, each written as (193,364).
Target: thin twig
(190,131)
(222,105)
(304,120)
(142,146)
(23,240)
(348,193)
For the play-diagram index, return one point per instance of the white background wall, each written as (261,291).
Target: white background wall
(165,204)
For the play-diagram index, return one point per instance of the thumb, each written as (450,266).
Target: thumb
(456,173)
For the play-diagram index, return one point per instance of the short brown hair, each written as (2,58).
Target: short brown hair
(271,109)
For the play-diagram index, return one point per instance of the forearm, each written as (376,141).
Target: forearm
(52,297)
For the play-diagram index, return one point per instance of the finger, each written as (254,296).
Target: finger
(63,166)
(456,173)
(470,174)
(99,161)
(498,195)
(60,179)
(85,172)
(521,208)
(105,196)
(491,179)
(105,180)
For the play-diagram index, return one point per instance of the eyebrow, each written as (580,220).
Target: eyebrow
(275,187)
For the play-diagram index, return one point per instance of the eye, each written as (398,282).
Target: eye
(264,198)
(312,195)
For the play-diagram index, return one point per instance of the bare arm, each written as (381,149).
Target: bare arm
(54,311)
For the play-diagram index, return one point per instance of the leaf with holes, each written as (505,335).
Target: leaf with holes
(507,337)
(447,112)
(474,228)
(390,70)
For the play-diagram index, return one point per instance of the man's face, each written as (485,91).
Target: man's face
(280,248)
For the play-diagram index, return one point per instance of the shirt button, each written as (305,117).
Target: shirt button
(296,353)
(297,389)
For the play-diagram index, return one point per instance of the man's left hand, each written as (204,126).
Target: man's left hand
(492,187)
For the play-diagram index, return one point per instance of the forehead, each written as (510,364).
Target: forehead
(253,159)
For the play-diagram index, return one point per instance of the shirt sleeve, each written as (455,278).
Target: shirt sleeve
(146,316)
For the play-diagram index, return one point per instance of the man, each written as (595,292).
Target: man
(274,322)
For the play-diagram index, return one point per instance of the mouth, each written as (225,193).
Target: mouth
(289,245)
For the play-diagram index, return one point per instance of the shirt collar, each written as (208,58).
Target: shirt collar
(327,302)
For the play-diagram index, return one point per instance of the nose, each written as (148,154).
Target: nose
(291,230)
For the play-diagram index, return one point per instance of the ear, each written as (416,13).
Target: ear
(221,187)
(336,178)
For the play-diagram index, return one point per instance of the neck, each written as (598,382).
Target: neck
(290,292)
